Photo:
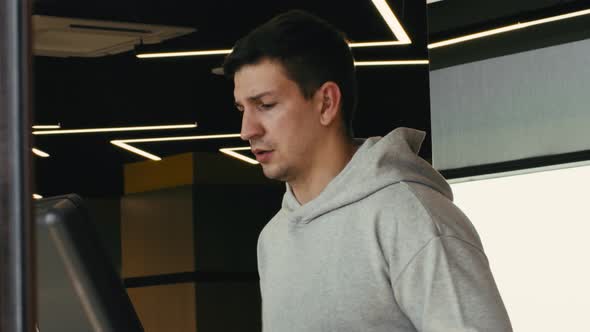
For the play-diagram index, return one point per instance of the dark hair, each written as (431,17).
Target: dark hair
(311,50)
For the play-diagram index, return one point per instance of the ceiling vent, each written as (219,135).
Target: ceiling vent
(72,37)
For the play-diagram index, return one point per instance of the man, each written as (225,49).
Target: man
(367,238)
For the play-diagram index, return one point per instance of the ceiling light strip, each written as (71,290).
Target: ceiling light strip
(181,54)
(123,143)
(239,149)
(475,36)
(559,17)
(391,63)
(392,21)
(377,43)
(381,5)
(228,51)
(231,152)
(57,126)
(135,150)
(178,138)
(40,153)
(113,129)
(508,28)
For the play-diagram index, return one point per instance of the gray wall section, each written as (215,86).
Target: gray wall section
(518,106)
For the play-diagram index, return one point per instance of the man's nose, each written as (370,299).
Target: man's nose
(251,127)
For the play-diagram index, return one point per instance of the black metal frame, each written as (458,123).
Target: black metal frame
(17,238)
(517,165)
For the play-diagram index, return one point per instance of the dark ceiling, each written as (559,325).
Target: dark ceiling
(122,90)
(456,15)
(448,19)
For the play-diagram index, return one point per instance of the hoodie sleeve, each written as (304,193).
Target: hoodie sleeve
(448,286)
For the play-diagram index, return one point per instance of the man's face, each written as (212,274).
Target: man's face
(280,124)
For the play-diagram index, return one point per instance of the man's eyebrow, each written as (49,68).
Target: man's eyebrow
(260,95)
(254,98)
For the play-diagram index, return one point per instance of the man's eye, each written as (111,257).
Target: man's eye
(267,106)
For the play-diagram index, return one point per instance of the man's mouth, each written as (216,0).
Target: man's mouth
(262,156)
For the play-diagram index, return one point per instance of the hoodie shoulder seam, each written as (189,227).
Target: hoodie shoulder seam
(426,245)
(430,218)
(440,233)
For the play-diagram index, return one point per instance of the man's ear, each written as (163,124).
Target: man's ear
(330,101)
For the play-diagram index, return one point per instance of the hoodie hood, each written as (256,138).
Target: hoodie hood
(379,162)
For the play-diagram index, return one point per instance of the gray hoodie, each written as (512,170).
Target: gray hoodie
(382,248)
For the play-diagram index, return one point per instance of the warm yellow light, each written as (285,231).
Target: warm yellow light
(231,152)
(381,5)
(512,27)
(136,150)
(40,153)
(37,196)
(113,129)
(224,52)
(57,126)
(559,17)
(391,63)
(181,54)
(123,143)
(377,43)
(178,138)
(392,21)
(475,36)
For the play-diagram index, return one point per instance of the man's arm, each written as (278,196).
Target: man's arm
(448,286)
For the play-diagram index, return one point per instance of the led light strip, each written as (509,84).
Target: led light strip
(392,63)
(40,153)
(381,5)
(372,64)
(228,51)
(57,126)
(181,54)
(113,129)
(140,152)
(377,44)
(400,33)
(392,21)
(178,138)
(519,25)
(123,143)
(231,152)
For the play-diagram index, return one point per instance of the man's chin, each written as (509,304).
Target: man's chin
(268,173)
(272,173)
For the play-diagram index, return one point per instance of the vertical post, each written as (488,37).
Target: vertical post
(17,241)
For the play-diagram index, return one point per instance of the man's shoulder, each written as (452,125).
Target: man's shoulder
(420,211)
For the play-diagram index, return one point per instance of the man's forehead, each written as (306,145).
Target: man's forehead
(250,87)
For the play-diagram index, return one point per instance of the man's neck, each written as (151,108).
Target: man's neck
(326,165)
